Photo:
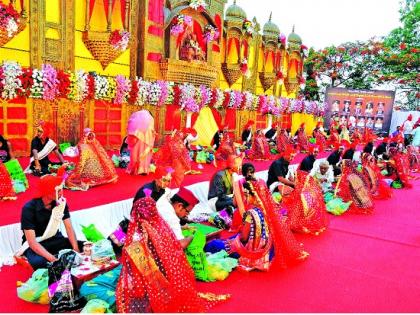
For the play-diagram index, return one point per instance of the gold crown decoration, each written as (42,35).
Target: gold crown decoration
(232,72)
(235,13)
(99,46)
(271,31)
(267,79)
(195,72)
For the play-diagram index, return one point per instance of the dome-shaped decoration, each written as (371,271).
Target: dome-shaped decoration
(294,41)
(178,3)
(235,13)
(270,30)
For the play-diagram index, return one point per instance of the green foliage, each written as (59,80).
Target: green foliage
(393,60)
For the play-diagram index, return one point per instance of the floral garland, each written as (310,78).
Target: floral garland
(37,88)
(10,82)
(187,98)
(119,39)
(180,23)
(211,33)
(9,19)
(198,5)
(249,27)
(123,89)
(48,83)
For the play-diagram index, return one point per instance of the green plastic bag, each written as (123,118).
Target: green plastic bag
(63,146)
(16,172)
(91,233)
(201,157)
(195,254)
(396,184)
(35,290)
(312,140)
(96,306)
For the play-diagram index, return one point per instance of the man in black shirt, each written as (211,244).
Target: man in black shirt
(217,138)
(162,180)
(36,215)
(334,158)
(247,134)
(39,165)
(279,168)
(308,162)
(271,133)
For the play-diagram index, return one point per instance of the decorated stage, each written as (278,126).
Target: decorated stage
(362,263)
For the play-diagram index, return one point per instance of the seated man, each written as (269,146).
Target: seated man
(159,185)
(40,222)
(176,208)
(41,147)
(308,162)
(271,134)
(221,186)
(278,171)
(324,175)
(334,158)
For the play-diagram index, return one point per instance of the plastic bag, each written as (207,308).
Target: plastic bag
(64,295)
(35,290)
(195,254)
(91,233)
(102,287)
(16,172)
(102,251)
(201,157)
(63,146)
(96,306)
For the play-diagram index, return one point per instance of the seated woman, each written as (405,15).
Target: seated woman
(156,276)
(305,205)
(302,139)
(226,148)
(374,179)
(94,167)
(173,153)
(351,187)
(263,238)
(400,164)
(319,137)
(283,141)
(6,153)
(260,149)
(41,147)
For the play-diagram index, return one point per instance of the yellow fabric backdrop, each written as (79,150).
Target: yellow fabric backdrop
(206,127)
(309,120)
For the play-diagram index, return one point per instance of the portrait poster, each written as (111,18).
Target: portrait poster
(359,109)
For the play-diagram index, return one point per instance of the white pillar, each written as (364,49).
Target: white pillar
(270,121)
(188,122)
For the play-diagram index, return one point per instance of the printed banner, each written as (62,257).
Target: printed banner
(359,108)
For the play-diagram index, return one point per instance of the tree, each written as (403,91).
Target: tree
(401,57)
(311,91)
(350,65)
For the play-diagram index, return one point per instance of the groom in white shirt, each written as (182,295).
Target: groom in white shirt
(173,209)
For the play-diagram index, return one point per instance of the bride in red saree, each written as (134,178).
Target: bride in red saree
(174,153)
(401,163)
(283,140)
(306,206)
(374,179)
(262,228)
(156,276)
(352,187)
(302,139)
(94,166)
(260,149)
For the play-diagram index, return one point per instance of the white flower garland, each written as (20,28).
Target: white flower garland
(11,82)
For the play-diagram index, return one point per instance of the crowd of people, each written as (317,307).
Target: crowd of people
(259,217)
